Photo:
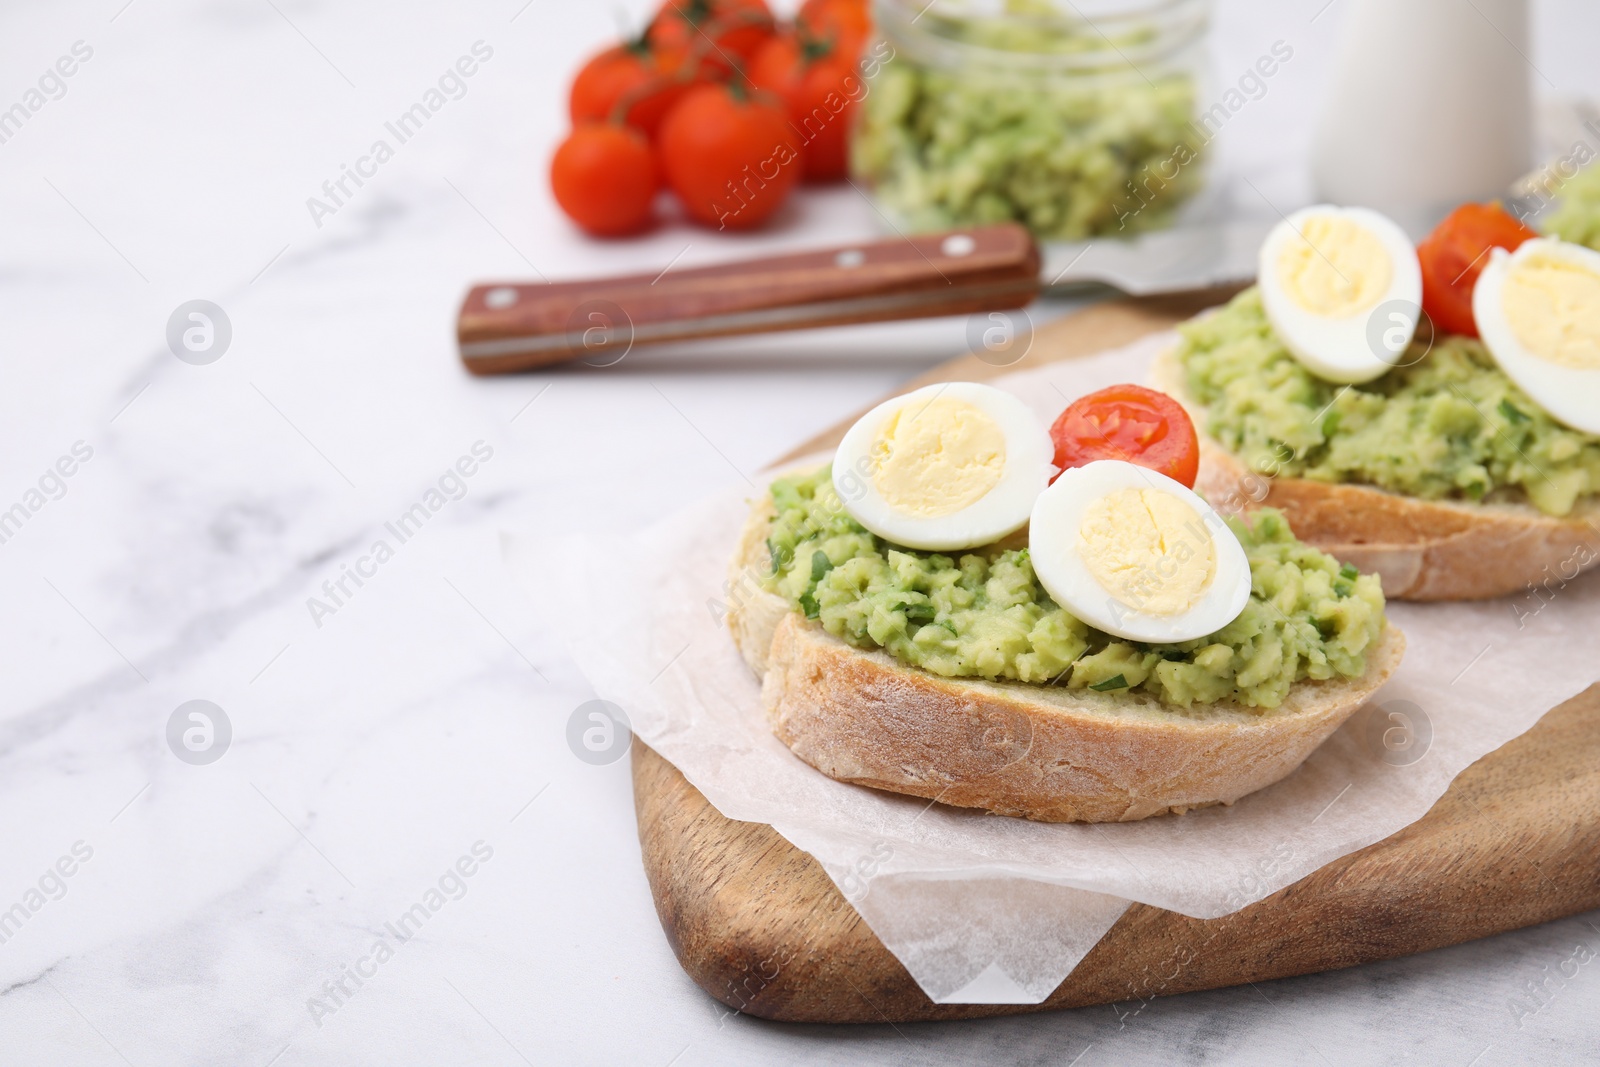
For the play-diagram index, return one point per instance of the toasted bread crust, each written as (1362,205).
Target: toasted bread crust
(1040,752)
(753,612)
(1421,549)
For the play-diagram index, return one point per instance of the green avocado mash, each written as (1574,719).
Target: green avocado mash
(1451,425)
(983,614)
(1068,154)
(1576,217)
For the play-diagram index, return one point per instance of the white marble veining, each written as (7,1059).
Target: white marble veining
(417,733)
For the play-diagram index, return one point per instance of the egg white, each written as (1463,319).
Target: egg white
(1003,510)
(1054,547)
(1341,349)
(1570,394)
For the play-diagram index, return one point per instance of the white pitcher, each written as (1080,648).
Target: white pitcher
(1429,105)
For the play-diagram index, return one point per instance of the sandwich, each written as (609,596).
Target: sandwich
(1429,414)
(965,606)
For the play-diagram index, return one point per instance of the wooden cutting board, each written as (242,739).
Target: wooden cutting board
(1515,841)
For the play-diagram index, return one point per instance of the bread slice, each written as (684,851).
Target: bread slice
(1421,549)
(1041,752)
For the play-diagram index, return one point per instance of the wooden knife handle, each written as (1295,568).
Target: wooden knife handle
(513,326)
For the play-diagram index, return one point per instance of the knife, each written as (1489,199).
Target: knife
(515,326)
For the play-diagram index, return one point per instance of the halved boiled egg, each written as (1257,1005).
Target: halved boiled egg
(1136,554)
(945,467)
(1538,310)
(1325,273)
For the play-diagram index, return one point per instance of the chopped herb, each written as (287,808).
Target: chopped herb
(948,625)
(808,604)
(1512,413)
(920,612)
(1345,584)
(1116,681)
(820,566)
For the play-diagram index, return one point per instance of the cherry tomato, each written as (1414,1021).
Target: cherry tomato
(605,178)
(730,155)
(1131,423)
(846,24)
(630,76)
(719,33)
(820,89)
(1453,256)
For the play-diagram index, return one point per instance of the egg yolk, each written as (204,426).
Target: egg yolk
(1335,268)
(1553,307)
(937,458)
(1148,549)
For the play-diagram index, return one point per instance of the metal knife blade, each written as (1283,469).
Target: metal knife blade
(1168,261)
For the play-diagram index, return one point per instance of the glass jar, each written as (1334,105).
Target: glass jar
(1074,119)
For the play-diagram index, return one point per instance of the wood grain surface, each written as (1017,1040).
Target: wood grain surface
(1515,841)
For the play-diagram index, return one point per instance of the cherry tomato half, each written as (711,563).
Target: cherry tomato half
(1453,256)
(1130,423)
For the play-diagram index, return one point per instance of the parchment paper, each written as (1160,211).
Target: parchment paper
(987,909)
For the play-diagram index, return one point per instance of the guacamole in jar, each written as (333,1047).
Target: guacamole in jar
(1576,217)
(1451,425)
(983,614)
(951,136)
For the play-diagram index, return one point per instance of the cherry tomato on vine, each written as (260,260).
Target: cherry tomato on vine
(1453,256)
(628,76)
(1130,423)
(729,154)
(720,33)
(846,24)
(820,88)
(605,178)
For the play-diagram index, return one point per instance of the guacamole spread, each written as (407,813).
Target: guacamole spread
(1576,217)
(983,614)
(1067,153)
(1449,426)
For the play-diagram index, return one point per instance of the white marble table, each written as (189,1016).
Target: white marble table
(404,744)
